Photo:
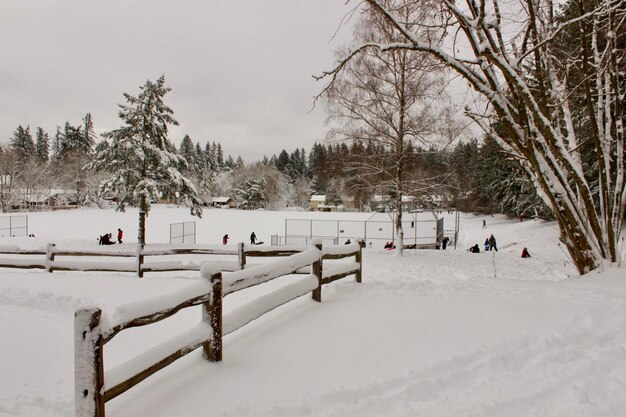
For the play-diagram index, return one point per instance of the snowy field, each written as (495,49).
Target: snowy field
(434,333)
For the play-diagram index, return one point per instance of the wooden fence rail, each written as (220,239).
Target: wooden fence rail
(136,259)
(93,388)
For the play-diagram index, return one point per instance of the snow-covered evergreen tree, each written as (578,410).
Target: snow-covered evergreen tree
(57,144)
(251,194)
(22,144)
(229,163)
(219,156)
(140,159)
(187,151)
(42,145)
(88,139)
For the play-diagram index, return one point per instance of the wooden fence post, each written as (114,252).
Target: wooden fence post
(359,260)
(140,261)
(88,364)
(317,271)
(49,256)
(212,314)
(242,255)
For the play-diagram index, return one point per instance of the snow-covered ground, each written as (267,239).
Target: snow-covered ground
(434,333)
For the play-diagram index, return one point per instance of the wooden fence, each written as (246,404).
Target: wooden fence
(93,388)
(134,257)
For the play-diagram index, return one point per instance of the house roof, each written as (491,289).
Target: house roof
(222,199)
(318,197)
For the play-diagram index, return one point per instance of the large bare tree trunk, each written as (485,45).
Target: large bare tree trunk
(530,96)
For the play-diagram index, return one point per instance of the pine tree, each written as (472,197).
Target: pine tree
(57,145)
(140,160)
(42,146)
(503,184)
(219,156)
(187,151)
(333,197)
(22,144)
(88,139)
(229,163)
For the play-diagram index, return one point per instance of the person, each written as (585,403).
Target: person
(105,239)
(120,233)
(486,245)
(525,253)
(492,243)
(388,245)
(225,239)
(444,242)
(484,224)
(474,249)
(521,217)
(347,242)
(253,238)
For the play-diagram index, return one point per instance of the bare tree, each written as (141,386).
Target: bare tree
(512,61)
(390,100)
(9,174)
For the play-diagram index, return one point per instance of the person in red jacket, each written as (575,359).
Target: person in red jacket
(119,235)
(225,239)
(525,253)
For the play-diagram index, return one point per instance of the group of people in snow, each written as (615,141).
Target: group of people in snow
(253,240)
(491,245)
(107,238)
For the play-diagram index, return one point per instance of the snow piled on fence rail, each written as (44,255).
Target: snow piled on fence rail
(433,333)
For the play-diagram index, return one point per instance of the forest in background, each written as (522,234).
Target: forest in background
(473,175)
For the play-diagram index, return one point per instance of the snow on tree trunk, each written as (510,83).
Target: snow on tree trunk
(531,79)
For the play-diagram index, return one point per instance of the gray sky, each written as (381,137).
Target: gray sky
(240,70)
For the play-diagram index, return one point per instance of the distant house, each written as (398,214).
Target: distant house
(223,202)
(61,198)
(317,200)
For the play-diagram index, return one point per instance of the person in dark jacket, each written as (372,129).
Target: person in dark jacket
(225,239)
(492,243)
(105,239)
(475,249)
(444,242)
(253,238)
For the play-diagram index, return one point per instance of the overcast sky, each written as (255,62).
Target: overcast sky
(240,70)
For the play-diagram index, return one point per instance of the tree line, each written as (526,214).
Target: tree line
(474,175)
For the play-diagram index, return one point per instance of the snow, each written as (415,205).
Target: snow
(431,333)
